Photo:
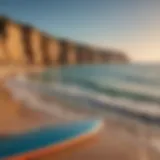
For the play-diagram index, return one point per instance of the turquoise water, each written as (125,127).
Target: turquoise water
(132,90)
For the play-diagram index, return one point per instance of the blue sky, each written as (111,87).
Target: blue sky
(130,25)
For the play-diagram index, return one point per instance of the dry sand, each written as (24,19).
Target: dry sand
(114,142)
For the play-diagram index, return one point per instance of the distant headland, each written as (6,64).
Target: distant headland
(23,44)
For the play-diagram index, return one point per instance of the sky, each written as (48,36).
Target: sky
(132,26)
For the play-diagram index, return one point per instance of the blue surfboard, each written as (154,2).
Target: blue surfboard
(40,141)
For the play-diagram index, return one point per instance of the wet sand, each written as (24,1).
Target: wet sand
(115,141)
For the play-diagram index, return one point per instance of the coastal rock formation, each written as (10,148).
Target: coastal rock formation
(36,46)
(14,44)
(3,57)
(53,51)
(22,44)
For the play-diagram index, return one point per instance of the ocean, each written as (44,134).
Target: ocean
(129,90)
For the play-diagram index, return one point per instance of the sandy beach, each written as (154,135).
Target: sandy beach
(115,141)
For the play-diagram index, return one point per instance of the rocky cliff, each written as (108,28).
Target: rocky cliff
(21,44)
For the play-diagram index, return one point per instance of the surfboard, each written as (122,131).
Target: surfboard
(46,140)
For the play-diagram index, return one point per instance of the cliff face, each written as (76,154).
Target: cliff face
(23,45)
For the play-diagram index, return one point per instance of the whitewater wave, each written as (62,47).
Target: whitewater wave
(117,89)
(35,101)
(139,109)
(152,91)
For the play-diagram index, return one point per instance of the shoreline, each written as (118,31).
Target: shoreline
(114,141)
